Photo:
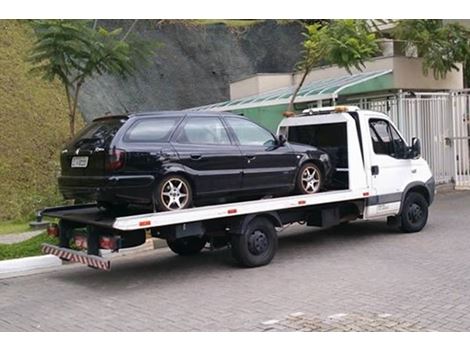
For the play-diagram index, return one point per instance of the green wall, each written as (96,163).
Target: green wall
(267,116)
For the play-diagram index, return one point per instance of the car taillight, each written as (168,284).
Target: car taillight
(115,160)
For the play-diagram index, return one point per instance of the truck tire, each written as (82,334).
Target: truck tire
(414,214)
(187,245)
(257,245)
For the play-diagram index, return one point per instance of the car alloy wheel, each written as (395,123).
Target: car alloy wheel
(175,194)
(310,179)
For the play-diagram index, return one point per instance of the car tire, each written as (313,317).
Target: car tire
(414,214)
(187,245)
(173,192)
(257,245)
(309,179)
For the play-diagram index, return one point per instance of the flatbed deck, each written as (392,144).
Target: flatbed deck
(134,219)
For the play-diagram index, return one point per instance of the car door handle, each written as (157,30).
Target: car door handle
(251,157)
(196,156)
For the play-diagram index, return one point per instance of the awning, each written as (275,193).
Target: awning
(312,91)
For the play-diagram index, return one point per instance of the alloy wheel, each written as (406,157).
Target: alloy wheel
(175,194)
(310,179)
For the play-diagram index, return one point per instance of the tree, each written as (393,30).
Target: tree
(441,45)
(346,43)
(75,50)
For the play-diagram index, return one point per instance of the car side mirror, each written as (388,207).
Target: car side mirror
(282,140)
(415,147)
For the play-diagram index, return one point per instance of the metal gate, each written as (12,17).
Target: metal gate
(461,138)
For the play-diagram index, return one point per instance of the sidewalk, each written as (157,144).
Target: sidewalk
(18,237)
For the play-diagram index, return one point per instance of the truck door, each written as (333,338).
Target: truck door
(390,169)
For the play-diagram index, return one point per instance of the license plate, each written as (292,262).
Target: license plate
(80,161)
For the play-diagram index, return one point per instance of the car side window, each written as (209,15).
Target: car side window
(385,139)
(249,133)
(152,130)
(203,130)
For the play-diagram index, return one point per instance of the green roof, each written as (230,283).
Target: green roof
(312,91)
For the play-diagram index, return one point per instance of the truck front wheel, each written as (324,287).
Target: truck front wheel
(414,214)
(257,245)
(187,245)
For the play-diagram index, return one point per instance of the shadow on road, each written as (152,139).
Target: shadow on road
(162,266)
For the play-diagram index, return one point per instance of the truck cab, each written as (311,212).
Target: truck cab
(368,152)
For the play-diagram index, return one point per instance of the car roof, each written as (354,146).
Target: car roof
(177,113)
(167,113)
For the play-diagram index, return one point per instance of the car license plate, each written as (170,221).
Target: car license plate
(80,161)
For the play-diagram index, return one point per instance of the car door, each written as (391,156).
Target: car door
(267,165)
(389,168)
(209,156)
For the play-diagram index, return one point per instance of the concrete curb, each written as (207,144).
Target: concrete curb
(13,267)
(31,265)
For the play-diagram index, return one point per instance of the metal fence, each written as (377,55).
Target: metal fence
(441,121)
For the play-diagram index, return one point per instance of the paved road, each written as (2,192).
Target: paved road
(363,276)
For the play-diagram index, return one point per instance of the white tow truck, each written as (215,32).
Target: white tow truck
(377,176)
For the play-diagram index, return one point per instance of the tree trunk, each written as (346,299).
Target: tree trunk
(290,107)
(70,106)
(74,107)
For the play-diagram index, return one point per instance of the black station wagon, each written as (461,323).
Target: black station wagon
(173,160)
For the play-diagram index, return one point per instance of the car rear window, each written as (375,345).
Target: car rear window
(98,133)
(156,130)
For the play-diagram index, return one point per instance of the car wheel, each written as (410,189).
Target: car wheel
(187,245)
(174,193)
(414,214)
(309,179)
(257,245)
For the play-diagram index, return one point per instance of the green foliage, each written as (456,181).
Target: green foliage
(8,227)
(349,43)
(74,50)
(28,248)
(441,45)
(346,43)
(33,128)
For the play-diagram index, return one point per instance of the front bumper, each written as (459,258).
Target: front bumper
(431,187)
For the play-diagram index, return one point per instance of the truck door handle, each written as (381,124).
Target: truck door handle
(196,156)
(374,170)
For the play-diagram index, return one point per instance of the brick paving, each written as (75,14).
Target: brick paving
(358,277)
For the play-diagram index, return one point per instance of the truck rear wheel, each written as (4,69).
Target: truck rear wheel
(257,245)
(414,214)
(187,245)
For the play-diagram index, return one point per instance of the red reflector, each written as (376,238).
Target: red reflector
(80,241)
(144,223)
(232,211)
(365,194)
(302,202)
(53,230)
(108,242)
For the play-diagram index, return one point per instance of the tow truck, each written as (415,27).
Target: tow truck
(378,175)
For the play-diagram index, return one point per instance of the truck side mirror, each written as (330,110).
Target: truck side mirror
(415,147)
(282,140)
